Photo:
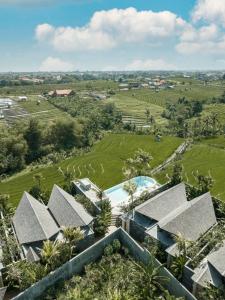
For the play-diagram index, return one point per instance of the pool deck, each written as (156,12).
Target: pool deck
(92,192)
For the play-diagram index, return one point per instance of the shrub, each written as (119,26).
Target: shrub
(108,250)
(116,245)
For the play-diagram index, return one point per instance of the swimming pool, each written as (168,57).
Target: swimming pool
(117,195)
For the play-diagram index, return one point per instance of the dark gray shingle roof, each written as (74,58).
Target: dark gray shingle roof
(192,219)
(2,292)
(217,260)
(32,221)
(32,255)
(162,204)
(66,210)
(207,274)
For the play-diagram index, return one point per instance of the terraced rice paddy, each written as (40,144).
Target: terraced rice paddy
(206,157)
(103,164)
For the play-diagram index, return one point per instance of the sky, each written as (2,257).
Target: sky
(69,35)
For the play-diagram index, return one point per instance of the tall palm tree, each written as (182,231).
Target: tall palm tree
(148,278)
(130,187)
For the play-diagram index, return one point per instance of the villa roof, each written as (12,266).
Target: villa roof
(192,219)
(207,274)
(32,255)
(162,204)
(66,210)
(2,292)
(63,92)
(217,259)
(32,221)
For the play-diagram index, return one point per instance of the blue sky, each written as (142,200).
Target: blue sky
(55,35)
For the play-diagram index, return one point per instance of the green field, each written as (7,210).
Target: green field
(133,107)
(206,157)
(41,88)
(103,164)
(133,103)
(43,111)
(191,92)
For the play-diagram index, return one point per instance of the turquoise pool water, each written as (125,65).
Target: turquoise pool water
(118,195)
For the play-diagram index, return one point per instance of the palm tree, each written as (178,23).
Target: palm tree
(72,236)
(148,277)
(50,254)
(177,266)
(130,187)
(182,244)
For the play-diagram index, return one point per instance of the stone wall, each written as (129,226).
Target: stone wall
(77,264)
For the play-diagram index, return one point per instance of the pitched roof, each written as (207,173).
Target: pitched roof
(32,255)
(162,204)
(2,292)
(217,259)
(63,92)
(66,210)
(192,219)
(207,274)
(32,221)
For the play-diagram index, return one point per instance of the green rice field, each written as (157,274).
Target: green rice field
(103,164)
(208,158)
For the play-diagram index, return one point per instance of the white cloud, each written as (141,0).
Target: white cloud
(205,40)
(44,31)
(209,10)
(54,64)
(108,29)
(149,64)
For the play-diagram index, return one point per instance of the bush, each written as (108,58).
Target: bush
(108,251)
(116,245)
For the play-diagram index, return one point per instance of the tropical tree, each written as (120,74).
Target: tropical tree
(180,260)
(68,176)
(178,265)
(130,187)
(176,177)
(103,219)
(50,255)
(139,164)
(5,206)
(150,282)
(72,236)
(211,293)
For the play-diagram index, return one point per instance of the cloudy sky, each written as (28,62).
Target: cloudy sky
(65,35)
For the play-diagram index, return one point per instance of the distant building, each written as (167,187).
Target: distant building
(134,85)
(61,93)
(22,98)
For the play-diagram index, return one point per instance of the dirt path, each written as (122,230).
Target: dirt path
(180,150)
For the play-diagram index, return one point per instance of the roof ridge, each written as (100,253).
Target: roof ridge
(37,215)
(158,195)
(70,203)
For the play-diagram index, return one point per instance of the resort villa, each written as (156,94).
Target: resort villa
(35,223)
(166,214)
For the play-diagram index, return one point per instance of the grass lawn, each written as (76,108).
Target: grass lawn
(103,164)
(206,157)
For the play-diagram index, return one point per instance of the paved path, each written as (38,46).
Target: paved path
(181,149)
